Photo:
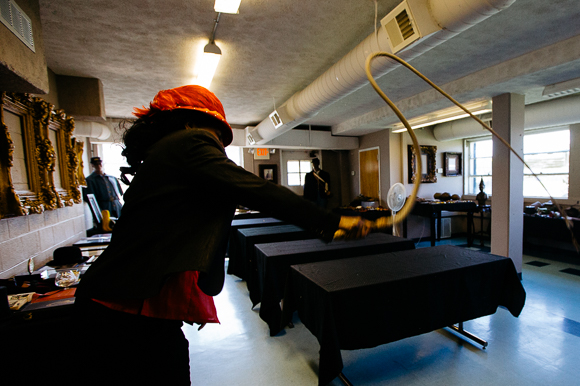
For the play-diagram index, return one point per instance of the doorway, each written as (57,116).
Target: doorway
(370,173)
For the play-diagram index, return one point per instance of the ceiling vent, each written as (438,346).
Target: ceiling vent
(276,119)
(16,21)
(400,27)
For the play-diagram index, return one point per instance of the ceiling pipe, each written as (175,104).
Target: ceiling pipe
(92,130)
(439,20)
(557,112)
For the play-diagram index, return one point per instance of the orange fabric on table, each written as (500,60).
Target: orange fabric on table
(54,295)
(179,299)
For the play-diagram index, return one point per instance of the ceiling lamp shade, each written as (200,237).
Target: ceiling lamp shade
(227,6)
(208,64)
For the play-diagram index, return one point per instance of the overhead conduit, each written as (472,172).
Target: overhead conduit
(435,21)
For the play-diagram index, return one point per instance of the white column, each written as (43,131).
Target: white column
(507,223)
(574,183)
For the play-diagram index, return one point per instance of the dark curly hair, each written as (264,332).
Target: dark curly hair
(145,132)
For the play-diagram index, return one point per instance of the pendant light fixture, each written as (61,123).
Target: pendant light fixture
(207,67)
(210,59)
(227,6)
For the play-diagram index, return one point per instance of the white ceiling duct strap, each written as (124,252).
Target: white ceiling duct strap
(438,20)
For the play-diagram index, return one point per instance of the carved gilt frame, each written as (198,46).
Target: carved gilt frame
(39,155)
(67,158)
(429,164)
(22,201)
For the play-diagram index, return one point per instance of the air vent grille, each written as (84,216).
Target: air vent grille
(17,21)
(276,120)
(401,27)
(405,25)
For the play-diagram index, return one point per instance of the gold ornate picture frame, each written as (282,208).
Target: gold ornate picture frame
(428,159)
(65,178)
(29,159)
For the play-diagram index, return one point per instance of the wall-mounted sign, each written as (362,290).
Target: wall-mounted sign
(262,153)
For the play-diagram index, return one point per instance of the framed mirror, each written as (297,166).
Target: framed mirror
(452,164)
(428,172)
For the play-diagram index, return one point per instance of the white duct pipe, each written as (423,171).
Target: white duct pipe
(557,112)
(92,130)
(348,74)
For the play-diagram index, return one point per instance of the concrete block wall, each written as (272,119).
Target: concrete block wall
(36,236)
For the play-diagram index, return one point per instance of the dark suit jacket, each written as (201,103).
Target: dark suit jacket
(107,191)
(177,216)
(314,189)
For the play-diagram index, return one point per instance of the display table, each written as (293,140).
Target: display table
(98,242)
(274,261)
(242,260)
(432,210)
(255,222)
(538,227)
(367,301)
(248,214)
(233,246)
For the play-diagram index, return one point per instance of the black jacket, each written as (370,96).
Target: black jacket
(177,216)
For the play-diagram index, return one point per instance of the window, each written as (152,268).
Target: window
(296,171)
(480,156)
(546,152)
(235,154)
(112,159)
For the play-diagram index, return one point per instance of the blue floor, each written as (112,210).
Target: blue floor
(540,347)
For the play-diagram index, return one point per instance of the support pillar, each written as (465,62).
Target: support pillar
(507,202)
(574,183)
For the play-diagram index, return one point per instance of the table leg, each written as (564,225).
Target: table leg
(344,379)
(433,233)
(470,228)
(459,329)
(438,226)
(481,229)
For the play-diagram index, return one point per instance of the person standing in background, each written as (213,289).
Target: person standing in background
(317,185)
(106,189)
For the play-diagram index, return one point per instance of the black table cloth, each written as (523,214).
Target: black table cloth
(233,246)
(242,260)
(255,222)
(432,210)
(367,301)
(274,261)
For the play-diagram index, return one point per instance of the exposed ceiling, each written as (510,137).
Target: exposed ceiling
(273,49)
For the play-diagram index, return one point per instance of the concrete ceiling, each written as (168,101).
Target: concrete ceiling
(273,49)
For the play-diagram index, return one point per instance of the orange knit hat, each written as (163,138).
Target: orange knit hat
(191,98)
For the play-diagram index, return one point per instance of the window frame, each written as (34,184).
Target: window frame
(301,174)
(467,162)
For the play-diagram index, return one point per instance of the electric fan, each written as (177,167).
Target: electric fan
(395,201)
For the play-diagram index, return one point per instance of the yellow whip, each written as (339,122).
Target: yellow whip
(385,222)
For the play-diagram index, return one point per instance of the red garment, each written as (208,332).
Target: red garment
(179,299)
